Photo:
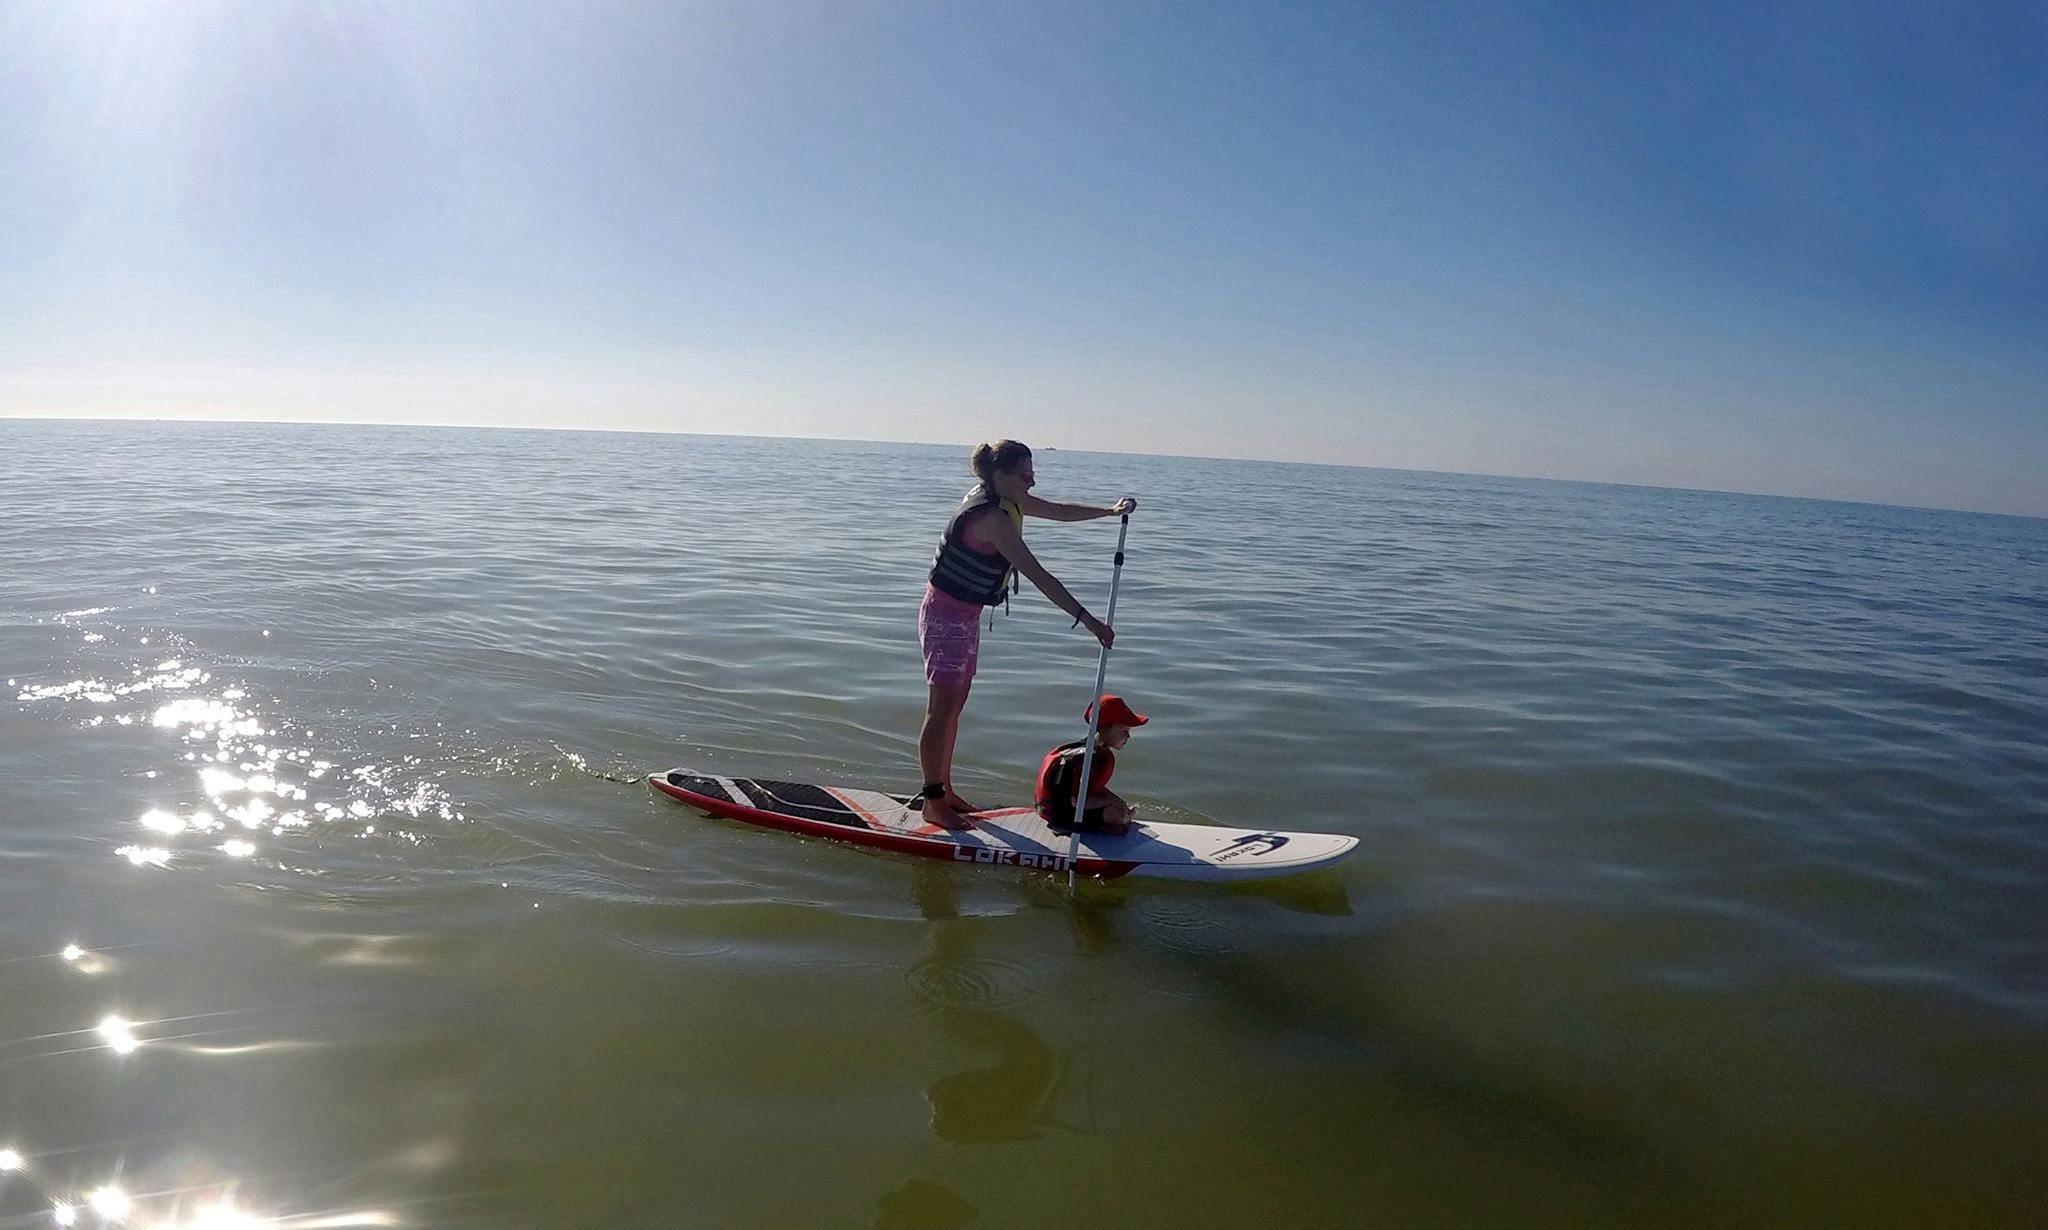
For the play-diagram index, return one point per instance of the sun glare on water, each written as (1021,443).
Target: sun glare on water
(119,1035)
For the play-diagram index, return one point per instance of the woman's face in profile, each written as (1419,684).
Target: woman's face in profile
(1012,483)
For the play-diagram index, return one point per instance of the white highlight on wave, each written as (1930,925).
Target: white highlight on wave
(118,1034)
(157,820)
(111,1203)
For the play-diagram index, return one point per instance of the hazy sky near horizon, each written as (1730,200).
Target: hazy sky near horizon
(1796,249)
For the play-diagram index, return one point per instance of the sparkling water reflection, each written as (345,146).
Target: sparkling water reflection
(247,779)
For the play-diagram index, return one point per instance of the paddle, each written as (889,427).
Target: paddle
(1095,708)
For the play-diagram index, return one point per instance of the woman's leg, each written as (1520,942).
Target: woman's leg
(950,636)
(953,799)
(943,703)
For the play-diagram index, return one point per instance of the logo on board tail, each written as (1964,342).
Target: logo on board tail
(1245,844)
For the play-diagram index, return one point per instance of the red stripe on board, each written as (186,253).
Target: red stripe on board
(903,843)
(856,808)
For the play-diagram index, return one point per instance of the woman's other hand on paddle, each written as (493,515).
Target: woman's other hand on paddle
(1103,632)
(1125,507)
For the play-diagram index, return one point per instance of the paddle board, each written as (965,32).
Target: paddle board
(1005,836)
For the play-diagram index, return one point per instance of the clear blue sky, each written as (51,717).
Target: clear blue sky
(1763,247)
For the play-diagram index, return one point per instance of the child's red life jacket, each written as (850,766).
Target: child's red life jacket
(1060,772)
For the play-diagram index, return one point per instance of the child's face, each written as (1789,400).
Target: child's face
(1114,737)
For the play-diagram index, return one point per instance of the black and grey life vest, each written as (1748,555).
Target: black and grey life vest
(960,570)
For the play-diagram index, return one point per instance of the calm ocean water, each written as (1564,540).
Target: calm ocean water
(1704,847)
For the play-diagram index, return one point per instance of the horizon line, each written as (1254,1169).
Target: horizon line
(1340,465)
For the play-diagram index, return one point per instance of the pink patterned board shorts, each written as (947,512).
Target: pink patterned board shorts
(949,631)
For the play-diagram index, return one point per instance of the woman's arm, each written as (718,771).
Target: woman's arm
(1049,511)
(1004,537)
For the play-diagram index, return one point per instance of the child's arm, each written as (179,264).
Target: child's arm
(1111,803)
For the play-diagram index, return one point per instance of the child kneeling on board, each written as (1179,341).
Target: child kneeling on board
(1059,775)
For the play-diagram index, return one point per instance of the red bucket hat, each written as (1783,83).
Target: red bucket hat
(1116,713)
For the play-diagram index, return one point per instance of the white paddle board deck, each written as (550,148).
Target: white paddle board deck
(1005,836)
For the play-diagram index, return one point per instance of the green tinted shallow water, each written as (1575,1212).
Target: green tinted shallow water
(1703,847)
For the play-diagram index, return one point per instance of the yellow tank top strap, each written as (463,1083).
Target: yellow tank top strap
(1010,585)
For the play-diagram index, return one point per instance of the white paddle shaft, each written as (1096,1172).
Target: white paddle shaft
(1095,708)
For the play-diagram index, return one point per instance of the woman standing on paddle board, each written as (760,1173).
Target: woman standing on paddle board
(971,570)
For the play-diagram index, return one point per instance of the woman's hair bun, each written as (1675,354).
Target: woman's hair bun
(988,460)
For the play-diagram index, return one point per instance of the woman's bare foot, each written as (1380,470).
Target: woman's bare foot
(937,813)
(959,804)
